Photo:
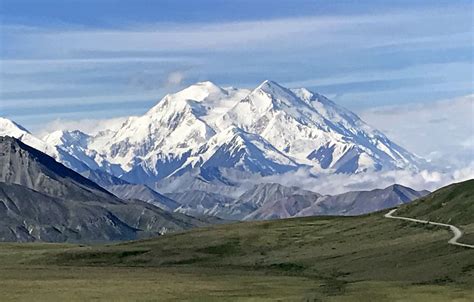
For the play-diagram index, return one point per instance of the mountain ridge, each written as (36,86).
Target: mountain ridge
(43,200)
(304,127)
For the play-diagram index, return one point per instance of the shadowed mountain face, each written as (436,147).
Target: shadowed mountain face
(274,201)
(260,196)
(103,178)
(28,215)
(142,192)
(26,166)
(198,203)
(40,199)
(362,202)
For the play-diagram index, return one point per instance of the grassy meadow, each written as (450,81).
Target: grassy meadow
(368,258)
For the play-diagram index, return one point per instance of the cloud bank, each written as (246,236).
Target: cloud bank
(340,183)
(88,126)
(441,132)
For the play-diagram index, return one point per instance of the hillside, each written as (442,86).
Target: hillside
(26,166)
(365,258)
(453,204)
(42,200)
(80,164)
(142,192)
(363,202)
(275,201)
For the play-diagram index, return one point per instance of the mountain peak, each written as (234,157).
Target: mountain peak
(34,169)
(400,189)
(12,129)
(209,84)
(270,94)
(266,96)
(270,86)
(396,186)
(60,137)
(9,125)
(200,91)
(273,126)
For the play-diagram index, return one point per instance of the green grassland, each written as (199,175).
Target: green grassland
(453,204)
(368,258)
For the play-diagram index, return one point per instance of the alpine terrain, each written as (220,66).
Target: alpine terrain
(215,133)
(193,151)
(42,200)
(363,258)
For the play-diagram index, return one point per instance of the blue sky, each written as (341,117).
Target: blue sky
(74,59)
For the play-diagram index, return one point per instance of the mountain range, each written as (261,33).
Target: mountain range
(206,128)
(275,201)
(196,147)
(41,199)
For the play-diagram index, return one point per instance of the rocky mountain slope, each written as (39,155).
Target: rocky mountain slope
(142,192)
(198,146)
(40,199)
(362,202)
(79,164)
(261,195)
(198,203)
(274,201)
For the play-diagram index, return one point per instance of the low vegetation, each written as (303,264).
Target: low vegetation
(453,204)
(367,258)
(306,259)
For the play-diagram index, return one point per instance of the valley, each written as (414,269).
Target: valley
(365,258)
(43,200)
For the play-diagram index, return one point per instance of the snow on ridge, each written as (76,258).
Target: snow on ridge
(11,128)
(269,129)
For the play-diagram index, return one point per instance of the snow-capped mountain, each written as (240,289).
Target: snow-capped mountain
(207,128)
(315,131)
(12,129)
(235,148)
(66,147)
(167,134)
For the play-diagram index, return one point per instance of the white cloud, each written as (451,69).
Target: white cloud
(89,126)
(158,82)
(71,101)
(340,183)
(434,70)
(46,63)
(175,78)
(446,126)
(312,31)
(442,132)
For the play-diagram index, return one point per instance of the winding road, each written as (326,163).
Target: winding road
(457,232)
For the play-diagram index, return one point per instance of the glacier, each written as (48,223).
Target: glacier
(206,133)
